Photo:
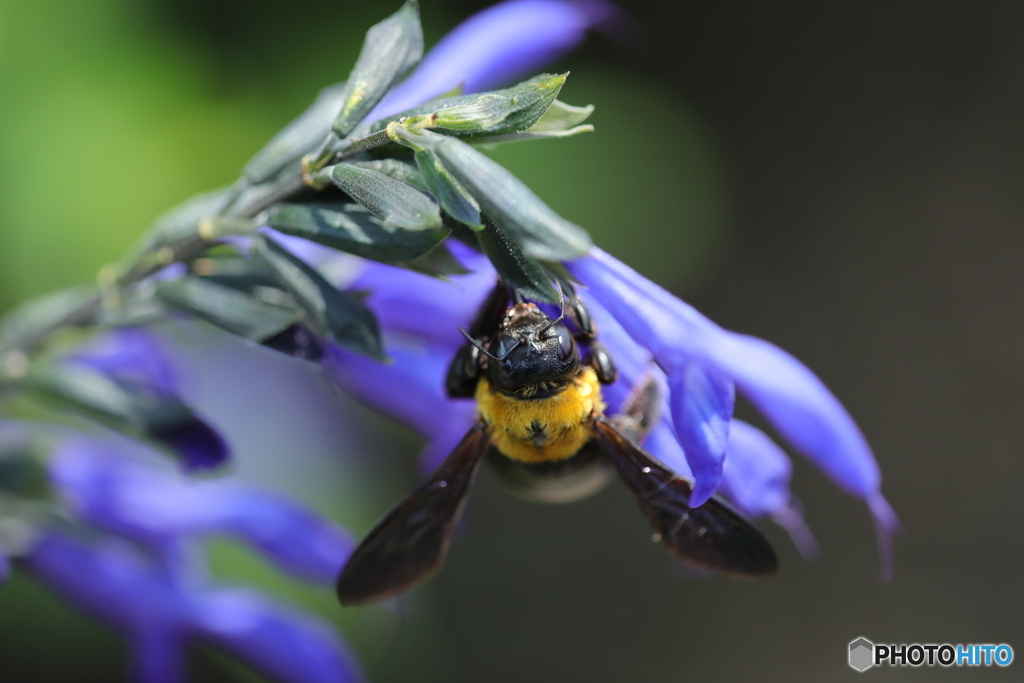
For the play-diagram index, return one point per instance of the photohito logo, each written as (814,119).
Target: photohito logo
(864,654)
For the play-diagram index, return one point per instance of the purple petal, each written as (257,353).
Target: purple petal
(756,479)
(284,645)
(790,395)
(757,471)
(157,657)
(797,403)
(114,584)
(110,582)
(429,308)
(199,445)
(702,401)
(135,358)
(130,354)
(494,47)
(126,496)
(662,444)
(409,390)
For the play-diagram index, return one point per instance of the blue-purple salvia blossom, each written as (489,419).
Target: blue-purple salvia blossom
(133,357)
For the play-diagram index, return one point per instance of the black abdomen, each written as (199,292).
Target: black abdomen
(559,481)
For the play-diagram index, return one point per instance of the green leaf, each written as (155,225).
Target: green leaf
(182,222)
(229,309)
(22,472)
(300,137)
(506,200)
(352,229)
(561,120)
(338,316)
(390,200)
(519,271)
(448,191)
(497,112)
(400,170)
(391,48)
(43,313)
(561,117)
(438,262)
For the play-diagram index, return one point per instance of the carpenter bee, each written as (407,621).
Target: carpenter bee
(537,384)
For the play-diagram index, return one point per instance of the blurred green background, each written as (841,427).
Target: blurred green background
(845,181)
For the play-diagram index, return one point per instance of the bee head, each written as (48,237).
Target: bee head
(529,349)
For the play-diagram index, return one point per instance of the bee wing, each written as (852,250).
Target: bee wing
(712,536)
(410,543)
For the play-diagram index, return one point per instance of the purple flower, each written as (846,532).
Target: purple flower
(110,489)
(114,583)
(156,591)
(133,358)
(496,46)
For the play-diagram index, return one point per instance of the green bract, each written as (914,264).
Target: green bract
(351,228)
(498,112)
(389,199)
(503,198)
(392,47)
(336,315)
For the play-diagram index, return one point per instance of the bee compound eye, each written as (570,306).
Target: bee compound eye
(566,343)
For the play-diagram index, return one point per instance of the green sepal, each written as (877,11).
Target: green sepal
(561,120)
(496,112)
(23,474)
(400,170)
(45,312)
(438,262)
(230,309)
(448,191)
(505,199)
(390,50)
(390,200)
(518,270)
(300,137)
(338,316)
(180,224)
(351,228)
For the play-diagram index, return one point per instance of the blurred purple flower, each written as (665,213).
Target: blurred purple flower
(156,592)
(134,358)
(122,495)
(496,46)
(119,586)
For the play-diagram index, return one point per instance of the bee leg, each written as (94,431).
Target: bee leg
(468,362)
(640,411)
(586,334)
(581,316)
(602,362)
(461,379)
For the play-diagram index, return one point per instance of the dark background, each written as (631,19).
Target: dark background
(843,179)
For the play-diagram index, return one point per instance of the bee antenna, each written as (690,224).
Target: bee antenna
(480,347)
(561,313)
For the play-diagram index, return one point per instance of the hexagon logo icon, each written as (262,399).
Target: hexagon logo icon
(862,654)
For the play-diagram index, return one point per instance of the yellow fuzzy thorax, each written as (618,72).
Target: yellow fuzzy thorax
(545,429)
